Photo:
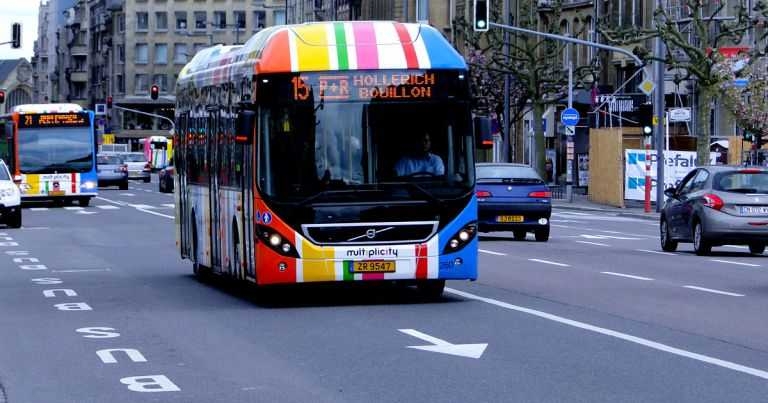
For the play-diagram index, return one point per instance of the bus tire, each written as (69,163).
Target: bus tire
(15,220)
(84,201)
(431,289)
(235,261)
(200,271)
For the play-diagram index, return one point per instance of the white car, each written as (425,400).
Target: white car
(10,199)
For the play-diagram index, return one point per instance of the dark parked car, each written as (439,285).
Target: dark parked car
(717,205)
(112,171)
(165,179)
(513,197)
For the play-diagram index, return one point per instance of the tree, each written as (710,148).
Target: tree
(749,102)
(538,74)
(693,32)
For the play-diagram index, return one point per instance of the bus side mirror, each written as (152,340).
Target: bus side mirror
(245,129)
(483,137)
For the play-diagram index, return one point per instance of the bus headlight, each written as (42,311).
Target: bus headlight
(460,239)
(277,242)
(88,185)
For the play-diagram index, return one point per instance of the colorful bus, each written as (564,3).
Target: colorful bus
(158,150)
(287,152)
(53,152)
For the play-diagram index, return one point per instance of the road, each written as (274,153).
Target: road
(97,306)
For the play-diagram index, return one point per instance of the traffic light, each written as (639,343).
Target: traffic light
(16,35)
(645,119)
(481,15)
(154,91)
(2,97)
(109,101)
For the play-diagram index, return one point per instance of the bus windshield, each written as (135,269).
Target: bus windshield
(357,146)
(57,149)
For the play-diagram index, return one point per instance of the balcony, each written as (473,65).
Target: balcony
(79,77)
(79,50)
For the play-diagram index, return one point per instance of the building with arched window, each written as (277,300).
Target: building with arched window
(16,81)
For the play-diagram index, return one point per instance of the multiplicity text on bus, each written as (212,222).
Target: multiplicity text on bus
(51,152)
(325,152)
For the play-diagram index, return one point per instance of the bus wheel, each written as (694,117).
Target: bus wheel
(15,220)
(201,272)
(431,289)
(84,201)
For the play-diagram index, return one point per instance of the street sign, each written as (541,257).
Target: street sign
(740,82)
(570,130)
(647,87)
(680,115)
(101,109)
(570,117)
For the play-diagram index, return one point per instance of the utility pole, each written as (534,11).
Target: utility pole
(658,114)
(505,141)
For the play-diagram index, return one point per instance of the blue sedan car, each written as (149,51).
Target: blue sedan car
(513,197)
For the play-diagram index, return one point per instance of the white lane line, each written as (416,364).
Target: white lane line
(594,243)
(560,226)
(610,273)
(141,206)
(622,336)
(736,246)
(39,209)
(490,252)
(156,213)
(656,252)
(73,208)
(573,213)
(732,294)
(169,205)
(736,263)
(86,212)
(80,270)
(107,207)
(119,203)
(548,262)
(127,194)
(33,228)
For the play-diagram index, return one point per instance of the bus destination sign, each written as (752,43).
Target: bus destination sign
(53,120)
(336,86)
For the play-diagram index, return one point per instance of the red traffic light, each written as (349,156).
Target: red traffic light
(154,91)
(2,97)
(109,102)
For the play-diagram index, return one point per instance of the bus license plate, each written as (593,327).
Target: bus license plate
(754,210)
(509,218)
(374,266)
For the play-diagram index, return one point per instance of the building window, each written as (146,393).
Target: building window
(142,21)
(180,55)
(120,83)
(121,23)
(259,20)
(161,21)
(161,53)
(220,19)
(422,10)
(161,80)
(200,20)
(141,84)
(240,19)
(121,54)
(181,20)
(142,53)
(279,17)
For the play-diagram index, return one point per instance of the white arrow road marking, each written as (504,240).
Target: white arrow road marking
(732,294)
(86,212)
(618,335)
(171,205)
(73,208)
(142,206)
(107,207)
(127,194)
(38,209)
(442,346)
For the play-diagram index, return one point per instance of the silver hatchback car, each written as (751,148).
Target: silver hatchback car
(717,205)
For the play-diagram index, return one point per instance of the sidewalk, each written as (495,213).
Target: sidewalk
(633,209)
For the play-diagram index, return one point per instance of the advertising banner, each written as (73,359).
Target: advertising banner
(677,164)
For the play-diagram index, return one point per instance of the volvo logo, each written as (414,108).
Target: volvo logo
(371,233)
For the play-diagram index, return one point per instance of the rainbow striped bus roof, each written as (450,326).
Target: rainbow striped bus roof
(324,46)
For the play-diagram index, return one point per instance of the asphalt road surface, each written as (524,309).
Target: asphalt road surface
(97,306)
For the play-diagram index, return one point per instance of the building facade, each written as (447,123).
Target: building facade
(16,82)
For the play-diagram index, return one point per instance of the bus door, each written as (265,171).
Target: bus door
(182,131)
(214,146)
(247,175)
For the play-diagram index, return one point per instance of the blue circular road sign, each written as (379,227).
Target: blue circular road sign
(570,117)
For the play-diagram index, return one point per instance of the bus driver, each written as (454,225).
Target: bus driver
(420,160)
